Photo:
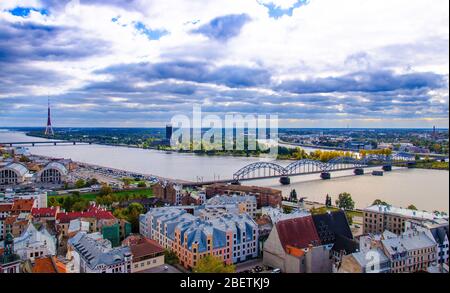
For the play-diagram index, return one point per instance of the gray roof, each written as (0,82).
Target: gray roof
(398,211)
(363,258)
(20,169)
(97,251)
(197,229)
(407,242)
(230,199)
(58,166)
(439,234)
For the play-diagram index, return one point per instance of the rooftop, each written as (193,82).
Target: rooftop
(145,247)
(97,251)
(92,212)
(49,264)
(44,212)
(298,232)
(22,205)
(331,224)
(407,242)
(403,212)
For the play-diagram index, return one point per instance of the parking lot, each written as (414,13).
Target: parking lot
(253,267)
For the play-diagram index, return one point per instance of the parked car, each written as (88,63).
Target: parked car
(276,271)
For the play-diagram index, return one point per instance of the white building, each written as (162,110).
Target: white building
(53,173)
(237,204)
(96,255)
(276,214)
(77,225)
(438,230)
(35,243)
(12,174)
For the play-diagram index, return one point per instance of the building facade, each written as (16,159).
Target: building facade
(13,174)
(95,254)
(52,173)
(264,196)
(232,238)
(242,203)
(147,253)
(378,218)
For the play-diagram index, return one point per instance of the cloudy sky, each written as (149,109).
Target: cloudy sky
(136,63)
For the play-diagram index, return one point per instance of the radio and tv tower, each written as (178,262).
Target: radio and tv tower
(49,128)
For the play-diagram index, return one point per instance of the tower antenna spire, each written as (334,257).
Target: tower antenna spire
(49,128)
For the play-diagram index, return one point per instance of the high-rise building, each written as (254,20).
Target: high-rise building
(169,130)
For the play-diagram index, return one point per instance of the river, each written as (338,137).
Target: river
(426,189)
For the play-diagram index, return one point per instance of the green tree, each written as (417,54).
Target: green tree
(328,201)
(80,205)
(293,195)
(345,201)
(68,203)
(142,184)
(131,214)
(52,202)
(349,218)
(170,257)
(379,202)
(105,190)
(80,183)
(127,181)
(287,209)
(212,264)
(24,159)
(412,207)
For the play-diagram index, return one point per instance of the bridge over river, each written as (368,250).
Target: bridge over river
(263,170)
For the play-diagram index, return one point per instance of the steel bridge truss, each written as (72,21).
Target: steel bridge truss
(268,169)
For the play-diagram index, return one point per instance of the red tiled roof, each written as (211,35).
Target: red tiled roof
(298,232)
(44,212)
(22,205)
(145,247)
(92,212)
(48,265)
(10,220)
(5,207)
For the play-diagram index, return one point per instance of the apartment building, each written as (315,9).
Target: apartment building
(93,254)
(231,237)
(413,251)
(378,218)
(241,203)
(264,196)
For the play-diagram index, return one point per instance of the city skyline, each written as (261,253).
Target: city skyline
(315,64)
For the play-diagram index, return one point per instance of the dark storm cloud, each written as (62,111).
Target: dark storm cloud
(376,81)
(201,72)
(27,41)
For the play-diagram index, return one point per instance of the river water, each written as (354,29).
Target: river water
(426,189)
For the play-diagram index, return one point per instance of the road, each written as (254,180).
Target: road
(248,265)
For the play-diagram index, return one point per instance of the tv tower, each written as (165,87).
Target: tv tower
(49,128)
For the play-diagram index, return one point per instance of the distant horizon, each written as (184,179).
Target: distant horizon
(163,127)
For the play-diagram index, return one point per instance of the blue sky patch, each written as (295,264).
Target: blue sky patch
(25,11)
(152,34)
(277,12)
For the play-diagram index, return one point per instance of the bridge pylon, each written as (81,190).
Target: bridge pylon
(387,168)
(325,175)
(285,180)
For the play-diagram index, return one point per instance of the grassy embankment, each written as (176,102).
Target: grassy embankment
(432,165)
(148,192)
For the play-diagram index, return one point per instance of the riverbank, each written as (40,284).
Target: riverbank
(432,165)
